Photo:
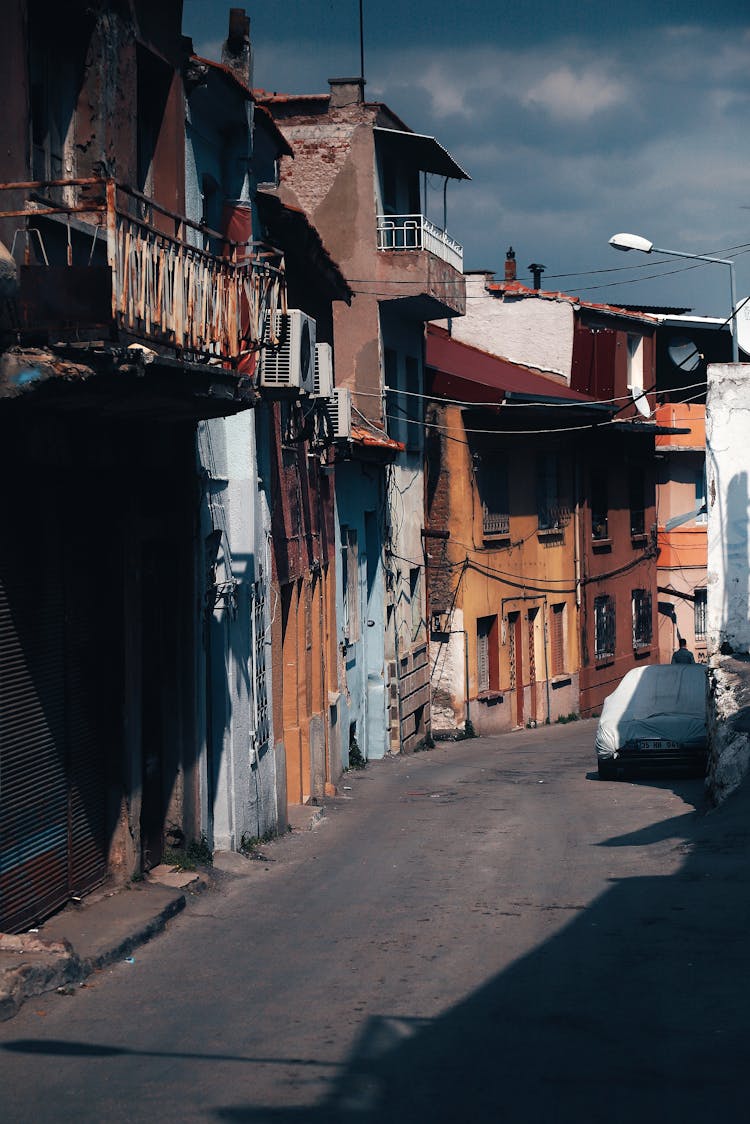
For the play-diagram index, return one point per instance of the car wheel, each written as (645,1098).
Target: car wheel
(607,769)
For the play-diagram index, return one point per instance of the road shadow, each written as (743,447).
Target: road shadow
(637,1010)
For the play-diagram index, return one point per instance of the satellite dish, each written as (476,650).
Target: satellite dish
(684,353)
(641,402)
(742,322)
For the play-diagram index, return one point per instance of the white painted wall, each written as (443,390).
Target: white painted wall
(728,497)
(448,677)
(533,331)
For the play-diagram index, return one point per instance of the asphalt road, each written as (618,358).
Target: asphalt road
(482,932)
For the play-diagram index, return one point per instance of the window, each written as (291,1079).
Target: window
(635,362)
(604,627)
(700,494)
(636,500)
(415,584)
(557,639)
(642,618)
(488,663)
(599,506)
(491,474)
(552,510)
(700,613)
(350,583)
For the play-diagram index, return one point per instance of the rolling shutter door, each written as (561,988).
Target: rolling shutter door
(33,785)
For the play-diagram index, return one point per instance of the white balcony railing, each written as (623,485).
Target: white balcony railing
(415,232)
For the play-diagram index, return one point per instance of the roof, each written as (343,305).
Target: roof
(375,439)
(260,111)
(423,150)
(467,373)
(516,289)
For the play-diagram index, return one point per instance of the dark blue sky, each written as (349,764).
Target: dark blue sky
(574,121)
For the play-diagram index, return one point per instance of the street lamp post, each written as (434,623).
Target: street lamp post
(636,242)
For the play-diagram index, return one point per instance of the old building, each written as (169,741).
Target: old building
(127,330)
(606,354)
(359,173)
(503,566)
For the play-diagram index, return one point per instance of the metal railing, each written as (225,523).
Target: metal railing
(416,232)
(168,287)
(494,523)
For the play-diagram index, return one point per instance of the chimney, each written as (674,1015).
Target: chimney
(237,51)
(536,271)
(510,264)
(346,91)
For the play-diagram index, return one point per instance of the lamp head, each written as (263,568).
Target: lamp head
(631,242)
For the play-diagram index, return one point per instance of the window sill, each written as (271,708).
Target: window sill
(550,532)
(601,546)
(638,538)
(641,651)
(603,661)
(563,680)
(490,697)
(495,537)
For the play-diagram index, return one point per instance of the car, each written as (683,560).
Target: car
(655,718)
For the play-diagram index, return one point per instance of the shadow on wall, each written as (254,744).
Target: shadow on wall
(736,562)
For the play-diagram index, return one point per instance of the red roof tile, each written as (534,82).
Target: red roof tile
(516,289)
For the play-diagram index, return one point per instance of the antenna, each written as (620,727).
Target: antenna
(361,42)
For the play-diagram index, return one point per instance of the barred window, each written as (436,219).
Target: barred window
(700,613)
(553,510)
(599,506)
(642,618)
(487,654)
(604,626)
(491,473)
(637,494)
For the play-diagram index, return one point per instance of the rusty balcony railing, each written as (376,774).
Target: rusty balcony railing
(121,261)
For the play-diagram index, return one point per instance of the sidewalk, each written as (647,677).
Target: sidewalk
(82,938)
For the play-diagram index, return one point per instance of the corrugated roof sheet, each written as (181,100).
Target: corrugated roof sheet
(516,289)
(469,374)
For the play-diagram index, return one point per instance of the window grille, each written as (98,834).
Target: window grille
(599,507)
(604,627)
(700,613)
(492,480)
(642,618)
(553,511)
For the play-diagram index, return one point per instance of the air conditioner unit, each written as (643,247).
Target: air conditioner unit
(323,386)
(339,409)
(289,365)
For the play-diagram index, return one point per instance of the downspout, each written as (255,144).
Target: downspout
(546,662)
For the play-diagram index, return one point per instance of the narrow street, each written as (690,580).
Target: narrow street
(482,932)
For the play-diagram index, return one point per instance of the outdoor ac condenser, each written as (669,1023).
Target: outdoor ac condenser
(323,386)
(339,408)
(289,365)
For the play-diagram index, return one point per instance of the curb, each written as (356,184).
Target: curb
(64,967)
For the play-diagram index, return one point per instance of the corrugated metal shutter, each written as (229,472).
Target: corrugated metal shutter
(556,639)
(33,786)
(52,790)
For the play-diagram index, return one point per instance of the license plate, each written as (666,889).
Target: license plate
(657,743)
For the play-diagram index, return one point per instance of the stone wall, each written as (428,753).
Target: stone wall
(728,726)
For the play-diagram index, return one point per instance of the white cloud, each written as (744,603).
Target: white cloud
(577,95)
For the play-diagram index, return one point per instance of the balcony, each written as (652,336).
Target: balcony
(101,261)
(416,232)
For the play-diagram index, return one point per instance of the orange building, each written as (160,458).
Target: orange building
(682,557)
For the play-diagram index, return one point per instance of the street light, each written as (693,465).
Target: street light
(636,242)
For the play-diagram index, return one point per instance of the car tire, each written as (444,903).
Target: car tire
(607,769)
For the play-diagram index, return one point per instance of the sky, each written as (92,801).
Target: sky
(575,122)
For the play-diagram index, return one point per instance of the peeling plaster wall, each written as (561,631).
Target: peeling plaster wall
(728,727)
(728,497)
(529,330)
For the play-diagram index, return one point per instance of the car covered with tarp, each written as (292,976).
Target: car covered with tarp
(655,718)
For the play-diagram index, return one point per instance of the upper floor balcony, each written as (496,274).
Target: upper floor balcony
(416,232)
(101,261)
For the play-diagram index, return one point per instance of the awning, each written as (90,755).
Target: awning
(467,374)
(423,151)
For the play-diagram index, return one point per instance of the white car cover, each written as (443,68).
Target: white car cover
(665,701)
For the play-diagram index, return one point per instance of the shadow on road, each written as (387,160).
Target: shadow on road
(635,1012)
